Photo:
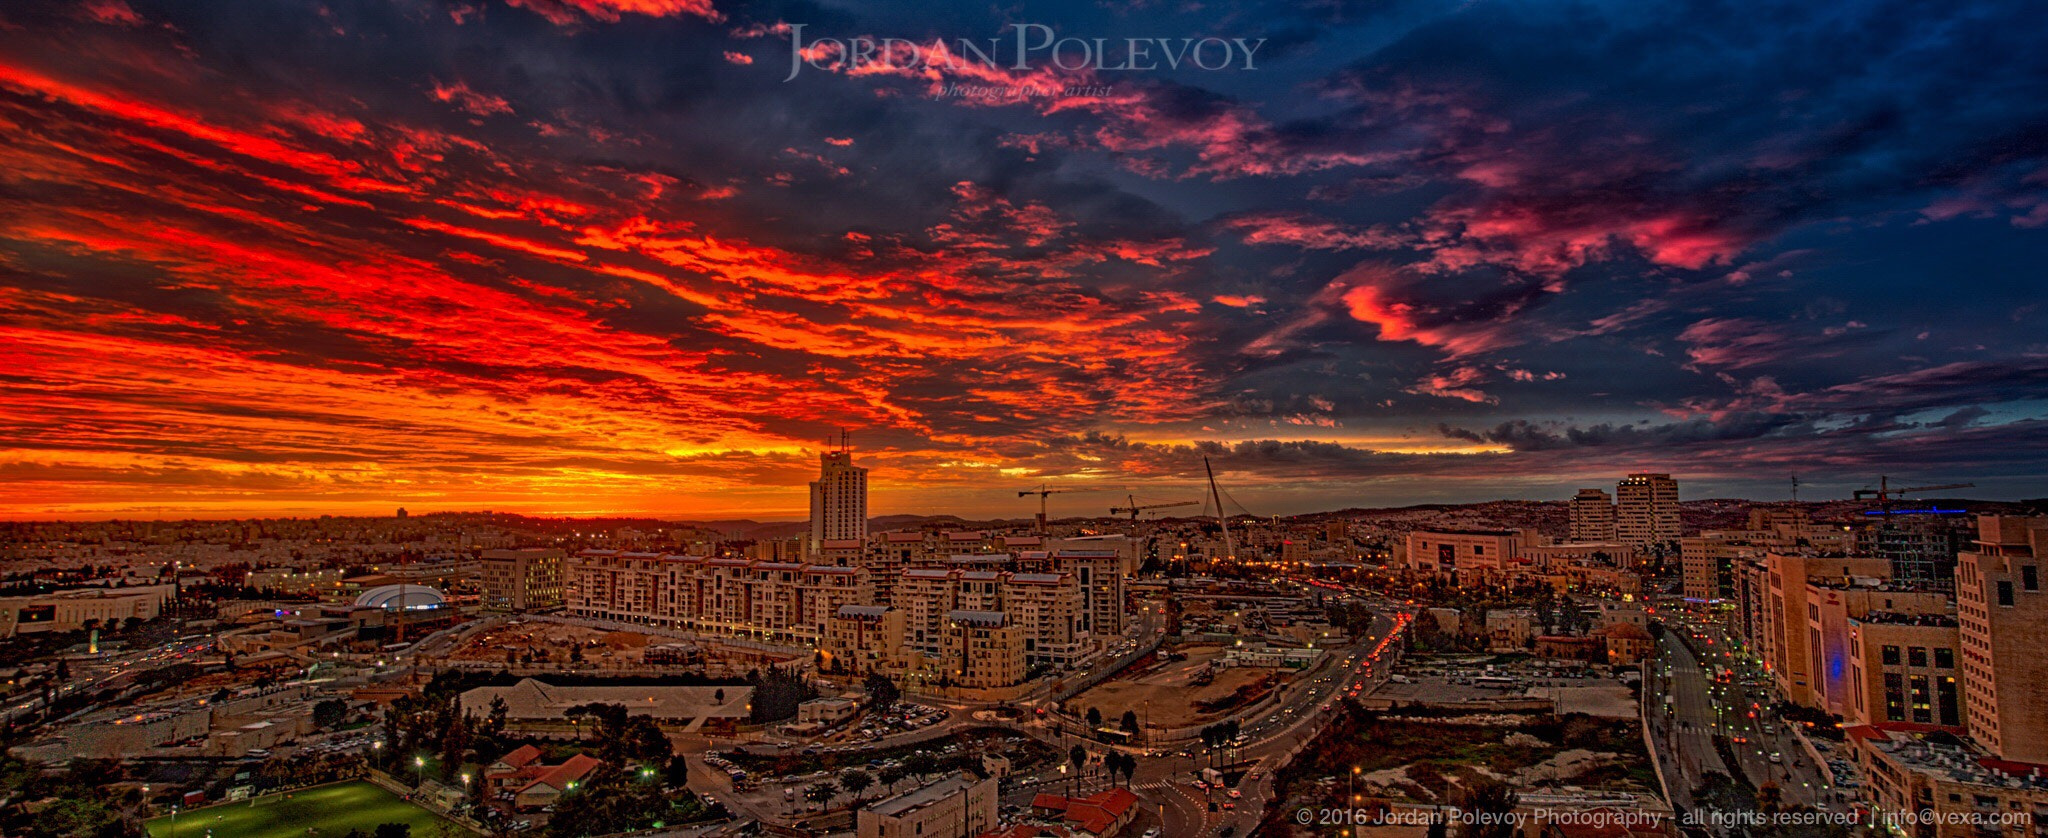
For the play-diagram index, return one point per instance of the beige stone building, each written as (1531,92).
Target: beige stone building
(981,650)
(1903,668)
(781,602)
(956,807)
(523,580)
(2004,625)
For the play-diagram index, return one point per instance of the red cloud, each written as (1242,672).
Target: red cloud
(566,12)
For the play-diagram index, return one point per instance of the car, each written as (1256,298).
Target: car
(1202,786)
(1230,804)
(1235,794)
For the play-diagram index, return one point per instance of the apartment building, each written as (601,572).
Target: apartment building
(860,639)
(782,602)
(981,650)
(1047,608)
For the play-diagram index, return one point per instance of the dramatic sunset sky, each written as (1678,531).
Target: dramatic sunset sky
(590,256)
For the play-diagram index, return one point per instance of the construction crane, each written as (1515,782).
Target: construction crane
(1135,507)
(1042,491)
(1884,491)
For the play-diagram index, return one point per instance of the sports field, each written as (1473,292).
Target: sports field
(327,811)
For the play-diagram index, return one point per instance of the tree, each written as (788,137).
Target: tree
(330,713)
(1079,757)
(856,781)
(454,739)
(882,692)
(1488,805)
(821,793)
(646,742)
(494,721)
(921,764)
(891,775)
(1094,717)
(394,829)
(1130,722)
(678,773)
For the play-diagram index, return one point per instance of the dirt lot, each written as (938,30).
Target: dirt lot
(1169,689)
(553,642)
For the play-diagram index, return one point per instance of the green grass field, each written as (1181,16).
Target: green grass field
(333,810)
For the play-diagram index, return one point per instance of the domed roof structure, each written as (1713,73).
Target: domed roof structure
(399,597)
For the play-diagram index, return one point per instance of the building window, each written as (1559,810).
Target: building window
(1894,697)
(2030,578)
(1891,655)
(1916,655)
(1944,658)
(2005,594)
(1945,696)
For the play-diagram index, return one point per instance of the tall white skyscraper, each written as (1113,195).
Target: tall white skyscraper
(1646,508)
(839,499)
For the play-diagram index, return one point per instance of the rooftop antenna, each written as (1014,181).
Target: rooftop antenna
(1795,488)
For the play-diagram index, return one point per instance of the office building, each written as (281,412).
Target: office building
(2004,617)
(1902,668)
(1592,516)
(1646,509)
(959,806)
(523,580)
(1466,555)
(1791,648)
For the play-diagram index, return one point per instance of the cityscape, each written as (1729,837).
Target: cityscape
(1054,419)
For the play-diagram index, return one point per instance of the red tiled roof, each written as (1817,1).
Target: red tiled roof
(559,777)
(519,757)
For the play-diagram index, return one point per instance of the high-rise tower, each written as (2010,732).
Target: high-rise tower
(1592,516)
(1646,508)
(839,498)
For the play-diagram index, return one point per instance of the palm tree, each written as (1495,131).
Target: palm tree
(891,775)
(821,792)
(856,781)
(1079,757)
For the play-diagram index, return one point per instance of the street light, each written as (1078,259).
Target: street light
(419,772)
